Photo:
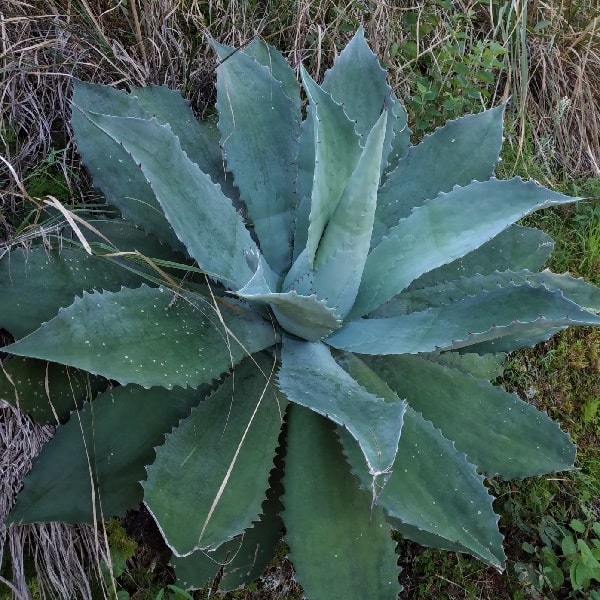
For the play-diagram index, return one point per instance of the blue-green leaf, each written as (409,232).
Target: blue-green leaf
(57,277)
(532,312)
(261,148)
(47,391)
(113,169)
(209,479)
(432,488)
(149,336)
(584,294)
(519,440)
(193,204)
(279,68)
(428,237)
(337,150)
(435,489)
(304,183)
(309,376)
(482,366)
(334,532)
(345,243)
(244,558)
(516,248)
(91,468)
(198,139)
(304,316)
(357,82)
(464,150)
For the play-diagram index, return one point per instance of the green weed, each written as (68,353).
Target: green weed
(563,555)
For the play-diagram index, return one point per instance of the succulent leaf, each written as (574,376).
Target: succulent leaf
(179,185)
(425,538)
(434,488)
(357,82)
(516,248)
(111,166)
(304,316)
(456,403)
(123,336)
(337,150)
(584,294)
(261,148)
(334,532)
(239,561)
(55,276)
(218,462)
(459,510)
(481,318)
(427,238)
(92,466)
(461,151)
(309,376)
(49,392)
(484,366)
(345,243)
(304,182)
(198,139)
(279,68)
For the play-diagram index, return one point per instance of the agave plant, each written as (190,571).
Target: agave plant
(322,364)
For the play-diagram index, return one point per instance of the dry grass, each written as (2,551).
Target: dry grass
(553,70)
(64,557)
(564,89)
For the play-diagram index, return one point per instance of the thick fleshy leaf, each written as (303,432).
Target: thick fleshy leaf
(345,243)
(334,532)
(55,276)
(358,83)
(514,313)
(116,234)
(577,290)
(209,478)
(423,537)
(516,248)
(198,139)
(304,182)
(261,148)
(304,316)
(337,150)
(192,203)
(519,440)
(149,336)
(400,134)
(309,376)
(463,150)
(47,391)
(279,68)
(482,366)
(112,168)
(240,560)
(432,486)
(91,468)
(126,188)
(427,238)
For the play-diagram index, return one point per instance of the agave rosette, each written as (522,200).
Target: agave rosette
(360,293)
